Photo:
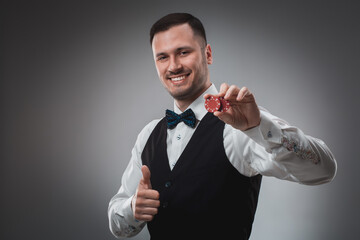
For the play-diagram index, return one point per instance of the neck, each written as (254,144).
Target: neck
(183,104)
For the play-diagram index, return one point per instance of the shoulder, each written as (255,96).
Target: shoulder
(147,130)
(145,134)
(141,140)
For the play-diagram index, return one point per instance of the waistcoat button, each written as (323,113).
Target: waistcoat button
(168,184)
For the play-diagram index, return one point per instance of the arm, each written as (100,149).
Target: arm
(122,222)
(121,219)
(285,152)
(269,145)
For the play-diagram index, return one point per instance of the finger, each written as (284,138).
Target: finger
(223,88)
(206,96)
(232,91)
(244,91)
(148,194)
(143,217)
(223,116)
(218,114)
(146,211)
(146,176)
(142,203)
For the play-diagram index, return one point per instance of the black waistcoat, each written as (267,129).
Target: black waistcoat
(204,196)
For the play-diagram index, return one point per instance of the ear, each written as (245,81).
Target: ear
(208,54)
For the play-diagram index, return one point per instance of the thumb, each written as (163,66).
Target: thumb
(146,177)
(222,116)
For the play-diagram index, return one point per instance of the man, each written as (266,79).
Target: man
(197,175)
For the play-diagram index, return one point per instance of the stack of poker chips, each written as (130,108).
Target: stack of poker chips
(213,104)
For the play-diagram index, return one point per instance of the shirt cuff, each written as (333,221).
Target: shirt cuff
(267,134)
(128,214)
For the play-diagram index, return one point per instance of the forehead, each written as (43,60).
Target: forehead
(174,38)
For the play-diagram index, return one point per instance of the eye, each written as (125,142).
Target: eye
(183,53)
(161,58)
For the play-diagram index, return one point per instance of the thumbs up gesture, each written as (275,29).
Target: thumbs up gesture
(146,201)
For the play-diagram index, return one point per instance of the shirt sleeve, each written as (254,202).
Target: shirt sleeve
(121,219)
(274,148)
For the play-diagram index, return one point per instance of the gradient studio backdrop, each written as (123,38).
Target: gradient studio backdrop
(78,83)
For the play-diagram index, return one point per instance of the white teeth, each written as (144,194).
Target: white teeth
(178,78)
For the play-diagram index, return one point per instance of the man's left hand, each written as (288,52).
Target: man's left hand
(243,113)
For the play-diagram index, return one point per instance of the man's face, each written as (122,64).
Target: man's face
(181,60)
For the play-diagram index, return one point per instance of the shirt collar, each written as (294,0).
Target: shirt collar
(198,105)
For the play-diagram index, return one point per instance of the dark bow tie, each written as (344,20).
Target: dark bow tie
(188,117)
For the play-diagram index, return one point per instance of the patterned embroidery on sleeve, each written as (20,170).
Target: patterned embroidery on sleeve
(293,146)
(129,230)
(126,230)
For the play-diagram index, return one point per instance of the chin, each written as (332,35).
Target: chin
(181,95)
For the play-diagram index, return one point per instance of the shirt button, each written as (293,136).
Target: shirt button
(168,184)
(178,137)
(165,205)
(269,135)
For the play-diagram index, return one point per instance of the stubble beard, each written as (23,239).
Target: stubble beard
(192,92)
(197,87)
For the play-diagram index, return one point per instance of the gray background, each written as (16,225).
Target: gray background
(78,83)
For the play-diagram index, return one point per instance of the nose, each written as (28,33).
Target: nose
(174,65)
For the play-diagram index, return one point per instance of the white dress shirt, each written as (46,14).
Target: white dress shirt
(274,148)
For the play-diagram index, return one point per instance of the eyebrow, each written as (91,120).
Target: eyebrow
(176,50)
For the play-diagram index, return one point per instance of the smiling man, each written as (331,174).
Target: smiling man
(195,174)
(181,59)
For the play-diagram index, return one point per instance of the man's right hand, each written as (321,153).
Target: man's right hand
(146,201)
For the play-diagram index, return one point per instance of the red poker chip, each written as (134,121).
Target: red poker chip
(212,104)
(225,105)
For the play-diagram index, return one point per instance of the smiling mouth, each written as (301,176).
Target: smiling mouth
(179,78)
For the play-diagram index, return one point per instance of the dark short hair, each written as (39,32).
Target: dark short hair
(174,19)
